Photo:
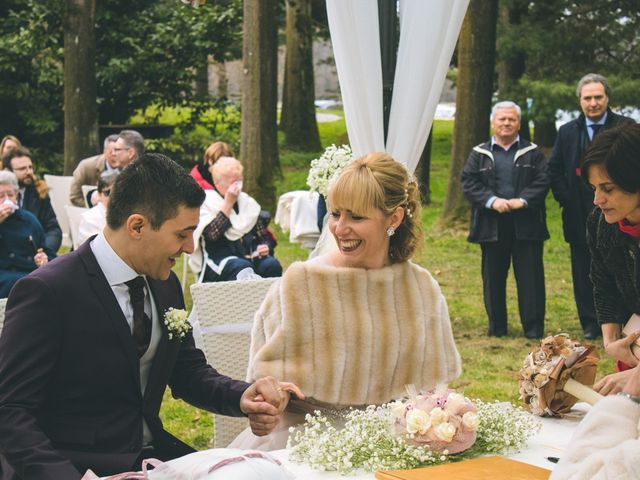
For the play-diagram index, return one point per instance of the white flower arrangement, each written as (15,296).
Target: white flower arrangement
(177,322)
(369,440)
(327,167)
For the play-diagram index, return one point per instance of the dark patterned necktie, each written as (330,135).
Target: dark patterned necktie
(141,321)
(595,127)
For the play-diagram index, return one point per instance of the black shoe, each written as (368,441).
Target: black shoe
(592,335)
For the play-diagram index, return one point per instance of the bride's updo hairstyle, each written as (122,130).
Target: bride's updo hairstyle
(377,182)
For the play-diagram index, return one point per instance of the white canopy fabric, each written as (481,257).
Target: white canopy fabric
(428,33)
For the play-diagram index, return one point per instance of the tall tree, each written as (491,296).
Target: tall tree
(476,66)
(298,117)
(80,107)
(258,137)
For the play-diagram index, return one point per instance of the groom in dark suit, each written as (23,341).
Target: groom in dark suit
(85,356)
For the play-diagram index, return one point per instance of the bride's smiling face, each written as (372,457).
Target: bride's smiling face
(362,240)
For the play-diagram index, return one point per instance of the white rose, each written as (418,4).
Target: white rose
(398,409)
(454,402)
(418,421)
(445,431)
(471,421)
(438,416)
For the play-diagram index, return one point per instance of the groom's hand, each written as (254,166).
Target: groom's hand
(264,401)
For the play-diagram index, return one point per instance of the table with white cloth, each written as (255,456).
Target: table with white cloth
(549,442)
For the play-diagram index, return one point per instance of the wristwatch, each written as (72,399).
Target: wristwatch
(633,398)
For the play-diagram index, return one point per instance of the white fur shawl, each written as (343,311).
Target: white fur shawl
(350,336)
(605,445)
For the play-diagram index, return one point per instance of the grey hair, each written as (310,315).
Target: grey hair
(505,104)
(593,78)
(134,140)
(110,139)
(8,178)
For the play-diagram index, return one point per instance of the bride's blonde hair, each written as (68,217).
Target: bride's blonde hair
(377,182)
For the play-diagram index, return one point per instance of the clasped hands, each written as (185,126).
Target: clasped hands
(264,401)
(620,349)
(502,205)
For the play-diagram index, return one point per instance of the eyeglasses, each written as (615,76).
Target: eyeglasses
(22,169)
(106,192)
(116,150)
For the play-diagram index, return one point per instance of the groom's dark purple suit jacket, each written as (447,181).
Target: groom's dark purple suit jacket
(70,396)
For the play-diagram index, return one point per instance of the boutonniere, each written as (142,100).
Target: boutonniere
(177,322)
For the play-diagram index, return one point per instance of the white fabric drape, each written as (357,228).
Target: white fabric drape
(428,33)
(356,49)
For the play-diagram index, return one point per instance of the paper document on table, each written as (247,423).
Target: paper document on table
(483,468)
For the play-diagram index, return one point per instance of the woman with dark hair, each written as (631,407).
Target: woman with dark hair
(611,167)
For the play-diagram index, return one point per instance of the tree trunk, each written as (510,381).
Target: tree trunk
(511,66)
(258,138)
(544,133)
(223,81)
(202,80)
(423,171)
(476,65)
(298,118)
(80,107)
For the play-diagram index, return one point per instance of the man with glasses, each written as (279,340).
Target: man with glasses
(89,170)
(128,147)
(33,195)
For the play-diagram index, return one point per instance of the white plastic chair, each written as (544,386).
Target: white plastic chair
(59,189)
(74,215)
(85,191)
(225,312)
(3,305)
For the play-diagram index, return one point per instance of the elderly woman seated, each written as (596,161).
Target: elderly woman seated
(354,326)
(22,240)
(232,235)
(93,221)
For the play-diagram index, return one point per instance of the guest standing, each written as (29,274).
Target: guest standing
(505,179)
(576,201)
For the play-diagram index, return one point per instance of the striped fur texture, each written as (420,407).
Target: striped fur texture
(351,336)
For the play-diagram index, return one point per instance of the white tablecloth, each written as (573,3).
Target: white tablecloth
(549,442)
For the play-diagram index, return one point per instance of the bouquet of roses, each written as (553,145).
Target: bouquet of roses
(328,166)
(442,419)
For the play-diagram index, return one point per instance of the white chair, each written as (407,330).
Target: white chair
(74,215)
(59,188)
(3,305)
(85,192)
(225,312)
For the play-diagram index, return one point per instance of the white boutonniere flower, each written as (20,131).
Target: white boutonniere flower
(177,322)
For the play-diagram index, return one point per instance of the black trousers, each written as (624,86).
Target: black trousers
(583,288)
(528,269)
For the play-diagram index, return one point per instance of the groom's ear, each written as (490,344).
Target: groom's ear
(134,225)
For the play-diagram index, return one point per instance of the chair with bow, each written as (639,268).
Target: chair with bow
(224,312)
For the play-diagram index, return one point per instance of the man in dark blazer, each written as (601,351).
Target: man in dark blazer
(575,199)
(83,369)
(33,195)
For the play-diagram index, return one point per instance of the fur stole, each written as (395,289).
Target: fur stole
(349,336)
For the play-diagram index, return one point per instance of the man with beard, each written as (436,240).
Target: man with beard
(33,195)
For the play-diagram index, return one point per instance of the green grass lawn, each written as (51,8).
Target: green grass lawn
(490,365)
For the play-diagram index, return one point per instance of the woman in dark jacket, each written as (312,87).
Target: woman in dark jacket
(611,167)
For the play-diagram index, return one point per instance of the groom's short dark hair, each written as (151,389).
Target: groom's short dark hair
(154,186)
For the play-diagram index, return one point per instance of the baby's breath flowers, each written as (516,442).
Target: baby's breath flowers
(369,440)
(328,166)
(177,322)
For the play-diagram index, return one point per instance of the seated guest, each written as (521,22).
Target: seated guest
(606,445)
(90,169)
(34,195)
(201,172)
(22,241)
(7,143)
(354,326)
(93,220)
(234,233)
